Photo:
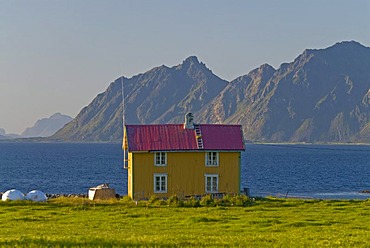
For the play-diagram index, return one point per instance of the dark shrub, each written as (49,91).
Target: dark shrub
(193,202)
(174,201)
(207,201)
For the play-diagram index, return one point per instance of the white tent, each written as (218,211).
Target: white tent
(102,192)
(36,195)
(13,195)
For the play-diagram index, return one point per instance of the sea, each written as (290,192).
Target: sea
(280,170)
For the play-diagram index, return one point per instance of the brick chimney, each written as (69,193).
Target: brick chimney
(189,121)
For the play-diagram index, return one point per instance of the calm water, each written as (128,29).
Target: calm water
(60,167)
(294,170)
(318,171)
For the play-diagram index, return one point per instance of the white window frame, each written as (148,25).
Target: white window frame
(210,161)
(161,155)
(212,178)
(162,177)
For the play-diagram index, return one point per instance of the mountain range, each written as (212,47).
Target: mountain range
(322,96)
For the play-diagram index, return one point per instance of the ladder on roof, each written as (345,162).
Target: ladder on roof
(198,136)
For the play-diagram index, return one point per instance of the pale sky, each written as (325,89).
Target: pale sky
(56,56)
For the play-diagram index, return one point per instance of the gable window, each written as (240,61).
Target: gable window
(160,159)
(211,183)
(211,158)
(160,183)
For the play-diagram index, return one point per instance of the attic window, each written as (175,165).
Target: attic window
(160,159)
(211,158)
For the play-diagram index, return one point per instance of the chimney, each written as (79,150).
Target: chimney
(189,121)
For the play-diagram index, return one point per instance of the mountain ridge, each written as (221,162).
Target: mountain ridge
(321,96)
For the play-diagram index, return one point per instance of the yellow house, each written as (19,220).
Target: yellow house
(183,159)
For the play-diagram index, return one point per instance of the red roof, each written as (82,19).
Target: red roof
(172,137)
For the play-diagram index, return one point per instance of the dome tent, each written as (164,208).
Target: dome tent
(36,195)
(12,195)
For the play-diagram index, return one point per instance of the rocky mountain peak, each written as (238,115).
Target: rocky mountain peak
(191,59)
(266,67)
(264,70)
(344,49)
(192,63)
(348,45)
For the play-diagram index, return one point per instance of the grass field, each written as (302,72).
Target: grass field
(263,223)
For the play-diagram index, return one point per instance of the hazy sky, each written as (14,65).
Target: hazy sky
(56,56)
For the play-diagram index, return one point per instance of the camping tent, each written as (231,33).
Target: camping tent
(102,192)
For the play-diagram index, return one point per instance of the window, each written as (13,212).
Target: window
(160,159)
(211,183)
(211,158)
(160,183)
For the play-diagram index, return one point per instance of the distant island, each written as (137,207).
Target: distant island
(42,128)
(47,126)
(7,136)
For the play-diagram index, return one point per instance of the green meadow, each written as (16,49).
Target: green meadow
(266,222)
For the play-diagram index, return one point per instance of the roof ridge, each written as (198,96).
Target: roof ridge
(178,124)
(141,125)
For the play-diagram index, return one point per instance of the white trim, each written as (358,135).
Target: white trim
(160,155)
(214,163)
(160,176)
(212,177)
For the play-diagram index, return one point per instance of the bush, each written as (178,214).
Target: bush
(192,202)
(233,200)
(207,201)
(160,202)
(225,201)
(241,200)
(174,201)
(153,199)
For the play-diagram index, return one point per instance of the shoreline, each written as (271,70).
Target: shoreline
(278,196)
(46,141)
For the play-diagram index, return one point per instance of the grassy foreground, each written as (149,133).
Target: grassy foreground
(265,222)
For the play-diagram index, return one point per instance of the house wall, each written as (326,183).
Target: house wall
(185,174)
(129,176)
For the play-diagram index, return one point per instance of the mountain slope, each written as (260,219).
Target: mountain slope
(160,95)
(238,101)
(319,97)
(322,96)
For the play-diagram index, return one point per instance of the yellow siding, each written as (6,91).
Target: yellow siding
(185,174)
(129,176)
